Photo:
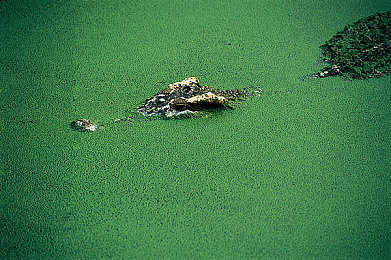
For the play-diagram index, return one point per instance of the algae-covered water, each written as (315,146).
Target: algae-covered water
(303,171)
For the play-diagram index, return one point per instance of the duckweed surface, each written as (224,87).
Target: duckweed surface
(302,171)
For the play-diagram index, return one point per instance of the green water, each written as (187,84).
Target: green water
(303,171)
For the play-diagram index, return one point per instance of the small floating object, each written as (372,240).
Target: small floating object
(83,125)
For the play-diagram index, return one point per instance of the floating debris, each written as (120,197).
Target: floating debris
(362,50)
(188,97)
(83,125)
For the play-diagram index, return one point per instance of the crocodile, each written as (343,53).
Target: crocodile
(188,97)
(181,99)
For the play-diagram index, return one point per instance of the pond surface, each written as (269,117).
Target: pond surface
(302,171)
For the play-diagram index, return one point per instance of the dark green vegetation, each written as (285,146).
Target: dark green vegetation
(362,50)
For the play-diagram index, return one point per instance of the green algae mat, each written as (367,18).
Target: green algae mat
(302,171)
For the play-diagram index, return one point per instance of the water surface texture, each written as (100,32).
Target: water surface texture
(303,171)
